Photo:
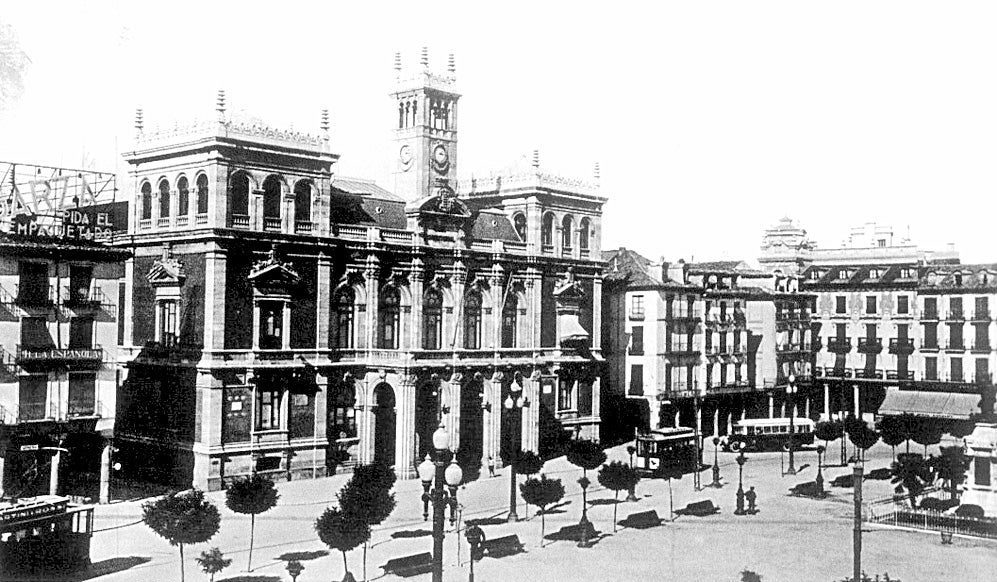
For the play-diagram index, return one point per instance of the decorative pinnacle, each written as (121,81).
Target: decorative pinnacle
(139,123)
(398,64)
(536,159)
(596,173)
(221,104)
(325,123)
(452,65)
(424,59)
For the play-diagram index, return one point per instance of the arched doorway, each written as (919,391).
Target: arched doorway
(471,426)
(427,410)
(384,424)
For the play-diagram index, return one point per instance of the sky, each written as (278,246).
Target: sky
(709,120)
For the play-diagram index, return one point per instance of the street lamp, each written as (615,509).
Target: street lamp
(790,392)
(820,478)
(740,483)
(696,483)
(716,463)
(447,476)
(514,402)
(475,537)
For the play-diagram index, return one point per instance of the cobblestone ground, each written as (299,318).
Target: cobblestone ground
(789,539)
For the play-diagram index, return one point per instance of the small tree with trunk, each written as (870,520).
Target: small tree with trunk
(893,431)
(212,562)
(589,456)
(671,473)
(926,432)
(618,477)
(182,518)
(368,497)
(528,463)
(829,430)
(343,532)
(911,472)
(252,495)
(542,492)
(951,466)
(852,425)
(863,438)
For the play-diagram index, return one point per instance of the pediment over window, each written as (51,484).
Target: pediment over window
(273,276)
(569,290)
(166,271)
(441,212)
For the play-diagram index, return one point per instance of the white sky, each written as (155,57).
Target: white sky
(710,120)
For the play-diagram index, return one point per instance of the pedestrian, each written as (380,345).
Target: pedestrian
(751,496)
(491,466)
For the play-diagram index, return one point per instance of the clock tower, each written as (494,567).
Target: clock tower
(424,148)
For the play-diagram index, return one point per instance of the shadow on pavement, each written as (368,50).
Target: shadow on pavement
(252,579)
(112,565)
(480,521)
(604,502)
(573,533)
(411,533)
(302,556)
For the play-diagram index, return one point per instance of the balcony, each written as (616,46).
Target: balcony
(929,315)
(636,315)
(729,387)
(303,226)
(956,346)
(635,351)
(240,221)
(271,223)
(830,372)
(145,224)
(818,344)
(683,317)
(681,350)
(898,375)
(870,345)
(163,222)
(840,315)
(201,218)
(839,345)
(901,345)
(929,345)
(80,299)
(982,348)
(982,316)
(870,374)
(29,296)
(955,315)
(678,390)
(59,356)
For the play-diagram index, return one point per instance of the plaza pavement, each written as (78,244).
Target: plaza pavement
(791,539)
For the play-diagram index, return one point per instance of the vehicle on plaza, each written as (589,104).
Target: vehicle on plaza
(664,448)
(769,434)
(44,537)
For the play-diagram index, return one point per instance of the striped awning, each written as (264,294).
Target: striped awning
(934,404)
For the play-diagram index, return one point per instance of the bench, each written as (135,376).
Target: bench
(503,546)
(409,565)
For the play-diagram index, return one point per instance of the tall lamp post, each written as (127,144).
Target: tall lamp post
(696,403)
(740,483)
(514,402)
(716,462)
(790,393)
(440,475)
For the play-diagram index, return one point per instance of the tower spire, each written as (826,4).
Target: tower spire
(536,160)
(220,105)
(398,65)
(424,59)
(324,125)
(452,66)
(139,122)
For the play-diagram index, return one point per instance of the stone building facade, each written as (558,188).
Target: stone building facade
(282,319)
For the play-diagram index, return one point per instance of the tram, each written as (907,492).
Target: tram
(667,448)
(45,537)
(769,434)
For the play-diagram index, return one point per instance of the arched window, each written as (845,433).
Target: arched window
(519,222)
(146,201)
(202,194)
(388,317)
(566,224)
(344,308)
(472,320)
(509,320)
(342,417)
(183,196)
(584,232)
(240,196)
(164,199)
(547,230)
(432,320)
(302,201)
(271,199)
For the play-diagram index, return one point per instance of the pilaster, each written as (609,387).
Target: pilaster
(371,282)
(405,427)
(417,276)
(323,296)
(492,419)
(531,413)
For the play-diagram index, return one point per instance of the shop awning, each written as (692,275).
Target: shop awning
(934,404)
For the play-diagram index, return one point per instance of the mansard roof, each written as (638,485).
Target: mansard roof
(357,201)
(635,271)
(492,223)
(980,277)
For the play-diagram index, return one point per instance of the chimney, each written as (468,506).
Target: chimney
(677,272)
(665,265)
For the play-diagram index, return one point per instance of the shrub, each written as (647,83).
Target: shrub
(970,510)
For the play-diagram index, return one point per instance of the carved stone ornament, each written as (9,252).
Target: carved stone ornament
(535,375)
(166,271)
(273,274)
(456,378)
(498,376)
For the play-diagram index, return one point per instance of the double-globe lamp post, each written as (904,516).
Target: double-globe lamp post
(791,393)
(740,483)
(440,475)
(514,402)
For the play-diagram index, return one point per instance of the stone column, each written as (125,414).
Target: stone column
(452,419)
(320,427)
(771,406)
(53,475)
(534,286)
(596,303)
(364,410)
(806,406)
(858,407)
(492,334)
(323,296)
(730,422)
(531,414)
(372,285)
(105,475)
(458,277)
(214,306)
(827,402)
(417,277)
(597,398)
(405,427)
(716,421)
(492,420)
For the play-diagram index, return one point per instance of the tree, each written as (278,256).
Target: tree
(542,492)
(926,432)
(342,531)
(368,497)
(829,430)
(671,473)
(863,438)
(911,472)
(252,495)
(13,64)
(951,466)
(589,456)
(893,431)
(852,425)
(618,477)
(212,562)
(528,463)
(182,518)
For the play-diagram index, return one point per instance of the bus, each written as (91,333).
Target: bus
(769,434)
(44,537)
(665,448)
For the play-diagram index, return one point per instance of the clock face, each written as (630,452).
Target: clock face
(405,156)
(440,155)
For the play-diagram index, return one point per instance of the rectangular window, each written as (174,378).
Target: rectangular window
(982,375)
(35,334)
(32,394)
(903,331)
(79,284)
(903,305)
(870,330)
(82,393)
(930,308)
(870,304)
(956,369)
(268,408)
(981,471)
(565,395)
(637,340)
(271,325)
(81,332)
(930,336)
(235,422)
(166,316)
(840,330)
(33,284)
(931,368)
(982,308)
(636,380)
(301,413)
(840,304)
(982,337)
(955,306)
(955,336)
(637,307)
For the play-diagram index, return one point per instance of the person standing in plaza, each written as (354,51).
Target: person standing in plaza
(751,496)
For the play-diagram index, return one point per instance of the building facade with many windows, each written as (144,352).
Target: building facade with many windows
(286,320)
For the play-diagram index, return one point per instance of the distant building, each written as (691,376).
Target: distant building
(286,320)
(980,486)
(60,316)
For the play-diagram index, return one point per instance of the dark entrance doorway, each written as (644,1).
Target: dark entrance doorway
(471,426)
(427,417)
(384,424)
